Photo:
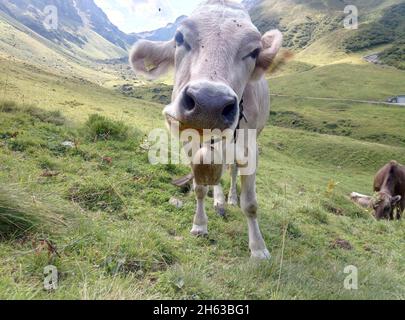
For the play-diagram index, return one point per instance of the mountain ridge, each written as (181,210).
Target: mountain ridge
(83,28)
(73,17)
(164,33)
(309,23)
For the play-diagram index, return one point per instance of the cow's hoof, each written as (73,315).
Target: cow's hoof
(233,201)
(261,254)
(199,231)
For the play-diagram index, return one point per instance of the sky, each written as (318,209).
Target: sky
(145,15)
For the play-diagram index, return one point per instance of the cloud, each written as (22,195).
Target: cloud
(140,15)
(116,16)
(153,9)
(145,15)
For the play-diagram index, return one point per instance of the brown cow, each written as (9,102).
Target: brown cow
(389,185)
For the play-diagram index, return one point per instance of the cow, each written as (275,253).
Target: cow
(389,186)
(220,60)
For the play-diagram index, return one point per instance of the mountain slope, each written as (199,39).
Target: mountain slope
(309,23)
(387,29)
(20,45)
(162,34)
(82,27)
(102,25)
(305,21)
(125,240)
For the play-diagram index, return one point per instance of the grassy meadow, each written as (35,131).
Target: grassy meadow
(100,213)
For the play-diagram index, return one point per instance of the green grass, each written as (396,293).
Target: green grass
(126,241)
(22,213)
(343,81)
(106,210)
(360,121)
(101,128)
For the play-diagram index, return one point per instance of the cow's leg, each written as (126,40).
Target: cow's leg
(401,209)
(391,216)
(200,225)
(233,192)
(249,206)
(219,200)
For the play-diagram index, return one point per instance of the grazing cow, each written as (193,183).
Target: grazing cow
(220,60)
(389,185)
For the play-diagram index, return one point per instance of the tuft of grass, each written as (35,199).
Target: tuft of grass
(316,213)
(22,144)
(47,163)
(22,213)
(54,117)
(8,106)
(99,127)
(96,196)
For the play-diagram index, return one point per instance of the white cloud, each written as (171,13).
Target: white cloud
(140,15)
(158,11)
(116,16)
(145,15)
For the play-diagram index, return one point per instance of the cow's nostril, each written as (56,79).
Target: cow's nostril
(229,112)
(188,101)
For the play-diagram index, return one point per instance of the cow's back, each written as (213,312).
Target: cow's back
(391,177)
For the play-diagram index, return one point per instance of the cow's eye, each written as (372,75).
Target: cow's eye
(181,41)
(179,38)
(254,54)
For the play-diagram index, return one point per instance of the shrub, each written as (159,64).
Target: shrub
(102,128)
(53,117)
(47,163)
(8,106)
(22,144)
(389,28)
(394,56)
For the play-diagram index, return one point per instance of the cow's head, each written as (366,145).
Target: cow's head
(383,204)
(215,53)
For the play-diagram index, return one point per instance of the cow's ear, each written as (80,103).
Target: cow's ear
(152,59)
(395,200)
(271,42)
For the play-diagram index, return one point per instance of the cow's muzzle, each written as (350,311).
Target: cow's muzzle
(206,105)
